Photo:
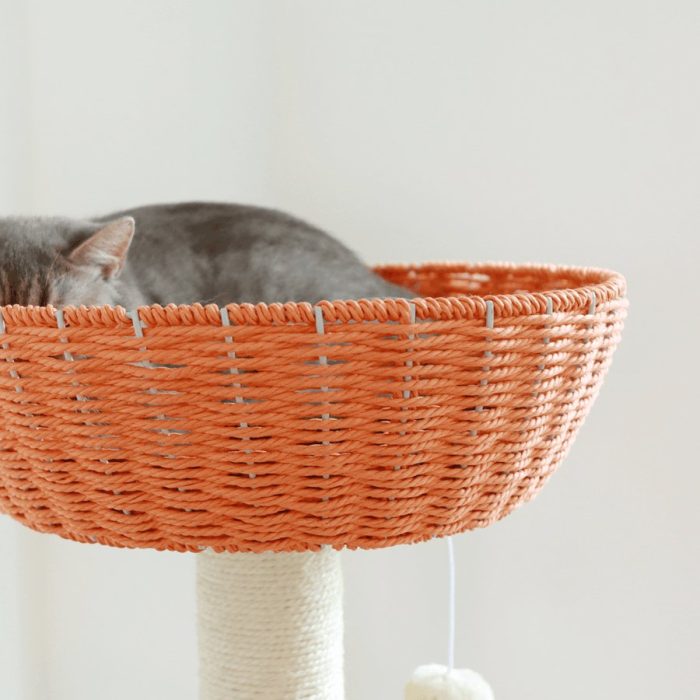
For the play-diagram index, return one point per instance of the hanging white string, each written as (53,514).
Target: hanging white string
(452,596)
(435,681)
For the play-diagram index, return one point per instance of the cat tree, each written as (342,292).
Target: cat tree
(266,438)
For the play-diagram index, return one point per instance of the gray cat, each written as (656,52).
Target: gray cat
(181,254)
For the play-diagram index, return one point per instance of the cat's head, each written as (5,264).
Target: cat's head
(62,262)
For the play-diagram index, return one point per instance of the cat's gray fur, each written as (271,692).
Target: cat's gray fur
(180,253)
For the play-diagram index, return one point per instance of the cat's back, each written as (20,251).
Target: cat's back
(230,252)
(213,227)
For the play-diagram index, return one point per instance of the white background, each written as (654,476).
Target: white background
(546,130)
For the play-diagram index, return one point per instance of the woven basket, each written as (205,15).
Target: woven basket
(289,426)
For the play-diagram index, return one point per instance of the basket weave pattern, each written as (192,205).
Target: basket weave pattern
(288,426)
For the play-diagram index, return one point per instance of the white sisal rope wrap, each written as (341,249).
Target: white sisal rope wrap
(270,626)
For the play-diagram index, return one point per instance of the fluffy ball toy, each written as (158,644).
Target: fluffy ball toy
(436,682)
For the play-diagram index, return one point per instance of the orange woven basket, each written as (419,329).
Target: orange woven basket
(289,426)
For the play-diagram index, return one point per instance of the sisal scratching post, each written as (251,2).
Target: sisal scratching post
(270,625)
(260,435)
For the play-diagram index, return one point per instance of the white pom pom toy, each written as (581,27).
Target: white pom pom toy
(436,682)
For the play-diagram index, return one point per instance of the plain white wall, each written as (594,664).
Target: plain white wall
(550,131)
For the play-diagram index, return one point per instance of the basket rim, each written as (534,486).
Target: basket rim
(600,284)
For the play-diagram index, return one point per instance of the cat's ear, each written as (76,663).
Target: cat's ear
(107,248)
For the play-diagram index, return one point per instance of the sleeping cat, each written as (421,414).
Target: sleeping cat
(181,254)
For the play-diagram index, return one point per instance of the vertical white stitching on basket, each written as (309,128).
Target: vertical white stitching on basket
(323,362)
(489,315)
(10,361)
(591,312)
(137,324)
(487,353)
(409,363)
(411,337)
(226,322)
(61,324)
(68,356)
(588,342)
(548,311)
(592,304)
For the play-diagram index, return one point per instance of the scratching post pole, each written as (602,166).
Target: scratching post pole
(270,625)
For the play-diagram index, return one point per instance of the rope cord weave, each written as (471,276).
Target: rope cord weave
(285,427)
(270,625)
